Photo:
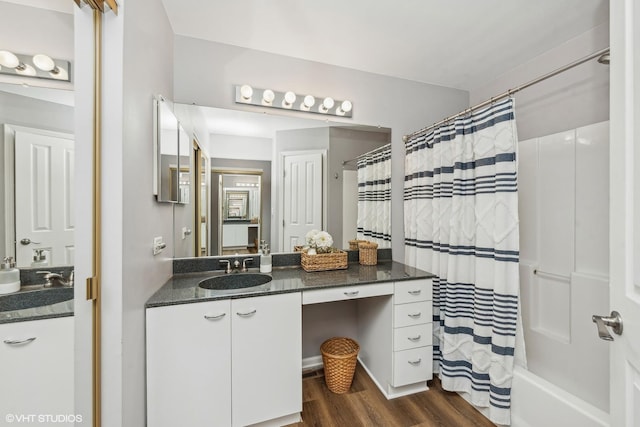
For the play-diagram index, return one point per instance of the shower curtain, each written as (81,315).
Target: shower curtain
(461,223)
(374,196)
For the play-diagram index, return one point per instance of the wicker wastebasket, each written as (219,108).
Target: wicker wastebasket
(339,357)
(368,253)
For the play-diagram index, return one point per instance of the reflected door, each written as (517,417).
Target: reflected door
(302,197)
(44,196)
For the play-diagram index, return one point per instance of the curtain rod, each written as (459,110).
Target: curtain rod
(382,147)
(510,92)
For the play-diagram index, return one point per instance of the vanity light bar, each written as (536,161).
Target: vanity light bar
(246,94)
(39,66)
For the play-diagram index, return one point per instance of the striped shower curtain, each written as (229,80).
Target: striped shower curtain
(461,223)
(374,196)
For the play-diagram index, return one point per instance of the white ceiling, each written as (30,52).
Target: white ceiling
(457,43)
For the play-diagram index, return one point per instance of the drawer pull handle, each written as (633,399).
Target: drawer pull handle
(415,362)
(247,314)
(216,317)
(352,293)
(414,339)
(18,342)
(416,292)
(415,315)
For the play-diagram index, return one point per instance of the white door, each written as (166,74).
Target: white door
(44,196)
(349,206)
(625,211)
(303,186)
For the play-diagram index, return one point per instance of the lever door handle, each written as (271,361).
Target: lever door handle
(614,321)
(27,241)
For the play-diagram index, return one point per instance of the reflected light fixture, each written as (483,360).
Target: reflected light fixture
(40,66)
(267,97)
(288,101)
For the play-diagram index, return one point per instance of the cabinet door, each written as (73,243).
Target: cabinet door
(37,374)
(267,358)
(189,365)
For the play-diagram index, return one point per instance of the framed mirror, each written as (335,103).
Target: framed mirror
(241,142)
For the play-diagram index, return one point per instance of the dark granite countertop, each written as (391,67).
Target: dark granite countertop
(36,303)
(183,288)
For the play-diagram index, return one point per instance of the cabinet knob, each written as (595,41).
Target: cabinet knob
(414,315)
(18,342)
(352,293)
(416,292)
(414,339)
(247,314)
(414,362)
(215,317)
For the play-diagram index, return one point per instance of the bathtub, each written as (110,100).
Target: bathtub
(536,402)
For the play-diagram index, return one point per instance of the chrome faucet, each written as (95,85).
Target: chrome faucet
(56,279)
(244,264)
(228,269)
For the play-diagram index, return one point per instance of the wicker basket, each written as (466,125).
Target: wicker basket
(353,244)
(368,253)
(323,262)
(339,357)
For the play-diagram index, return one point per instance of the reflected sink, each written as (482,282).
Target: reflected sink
(38,298)
(235,281)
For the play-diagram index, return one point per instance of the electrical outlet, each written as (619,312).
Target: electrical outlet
(158,245)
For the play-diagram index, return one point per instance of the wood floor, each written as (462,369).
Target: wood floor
(365,406)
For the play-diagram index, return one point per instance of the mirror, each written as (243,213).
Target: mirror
(36,183)
(172,148)
(242,143)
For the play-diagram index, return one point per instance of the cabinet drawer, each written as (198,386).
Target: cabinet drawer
(412,366)
(411,314)
(413,291)
(412,336)
(341,293)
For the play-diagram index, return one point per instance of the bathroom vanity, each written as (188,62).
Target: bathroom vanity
(36,350)
(220,358)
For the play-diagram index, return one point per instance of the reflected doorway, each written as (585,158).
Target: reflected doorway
(239,204)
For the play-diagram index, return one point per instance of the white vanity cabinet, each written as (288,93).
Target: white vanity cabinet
(189,365)
(396,337)
(36,367)
(224,363)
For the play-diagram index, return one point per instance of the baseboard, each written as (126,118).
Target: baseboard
(310,363)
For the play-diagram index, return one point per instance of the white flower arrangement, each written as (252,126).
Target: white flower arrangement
(319,242)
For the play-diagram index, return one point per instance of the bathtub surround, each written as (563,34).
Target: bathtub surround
(461,223)
(374,196)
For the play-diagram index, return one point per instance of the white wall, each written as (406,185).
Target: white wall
(572,99)
(240,147)
(402,105)
(563,197)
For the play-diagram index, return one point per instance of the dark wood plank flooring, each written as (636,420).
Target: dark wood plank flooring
(365,406)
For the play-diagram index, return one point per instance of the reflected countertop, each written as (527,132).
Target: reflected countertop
(183,288)
(44,305)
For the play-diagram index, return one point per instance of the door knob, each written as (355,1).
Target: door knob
(614,321)
(27,241)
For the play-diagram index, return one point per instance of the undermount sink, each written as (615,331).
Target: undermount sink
(235,281)
(36,298)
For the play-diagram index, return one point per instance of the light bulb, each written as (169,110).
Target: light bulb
(344,108)
(268,96)
(327,104)
(289,99)
(246,92)
(26,70)
(8,59)
(44,62)
(307,103)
